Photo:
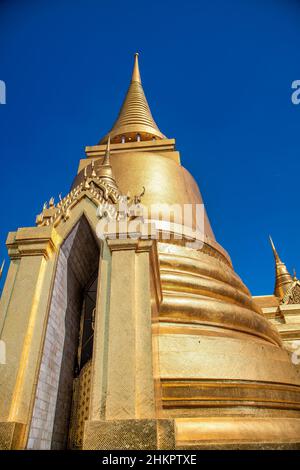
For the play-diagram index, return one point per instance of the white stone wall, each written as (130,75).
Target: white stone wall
(46,394)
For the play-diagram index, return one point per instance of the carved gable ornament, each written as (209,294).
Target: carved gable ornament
(292,296)
(111,203)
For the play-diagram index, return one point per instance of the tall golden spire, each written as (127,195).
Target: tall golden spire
(135,121)
(283,279)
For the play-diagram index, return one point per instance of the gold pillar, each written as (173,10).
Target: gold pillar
(23,315)
(125,363)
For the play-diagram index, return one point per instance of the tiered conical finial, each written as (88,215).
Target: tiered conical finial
(135,121)
(283,279)
(106,160)
(105,171)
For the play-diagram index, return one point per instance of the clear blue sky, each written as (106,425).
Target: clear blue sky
(218,78)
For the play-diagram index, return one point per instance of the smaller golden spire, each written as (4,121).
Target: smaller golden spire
(294,275)
(105,172)
(283,279)
(277,259)
(106,161)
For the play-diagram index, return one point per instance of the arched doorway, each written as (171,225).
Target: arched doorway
(82,380)
(68,343)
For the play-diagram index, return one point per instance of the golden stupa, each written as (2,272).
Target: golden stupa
(136,333)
